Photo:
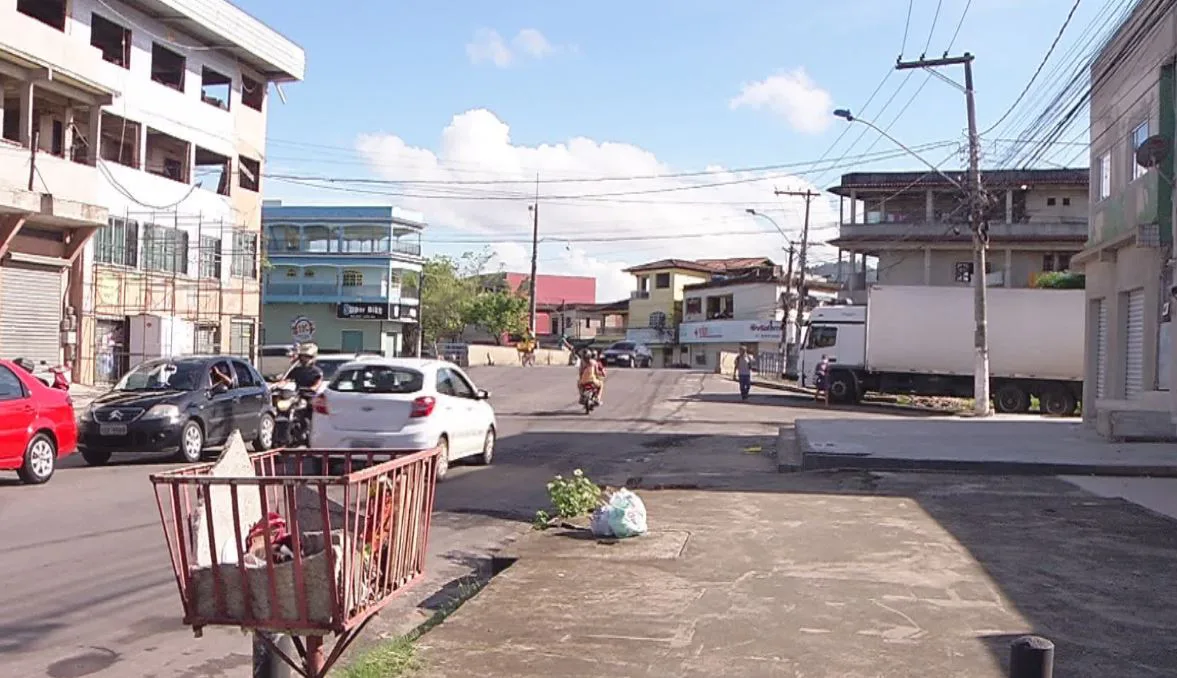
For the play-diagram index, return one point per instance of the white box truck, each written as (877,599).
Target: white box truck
(919,341)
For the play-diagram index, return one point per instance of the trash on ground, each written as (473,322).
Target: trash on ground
(623,515)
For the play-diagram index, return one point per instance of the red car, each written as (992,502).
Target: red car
(37,424)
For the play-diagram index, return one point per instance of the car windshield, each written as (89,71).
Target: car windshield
(162,375)
(378,379)
(622,346)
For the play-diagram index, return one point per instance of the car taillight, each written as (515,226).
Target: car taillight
(422,407)
(320,405)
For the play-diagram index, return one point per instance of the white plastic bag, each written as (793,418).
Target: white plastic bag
(626,514)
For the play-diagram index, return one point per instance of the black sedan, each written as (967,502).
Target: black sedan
(185,405)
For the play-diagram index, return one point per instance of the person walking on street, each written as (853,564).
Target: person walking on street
(744,372)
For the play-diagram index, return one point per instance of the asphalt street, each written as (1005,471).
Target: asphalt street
(88,584)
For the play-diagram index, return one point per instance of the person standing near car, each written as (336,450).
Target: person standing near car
(744,372)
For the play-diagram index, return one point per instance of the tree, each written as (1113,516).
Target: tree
(498,313)
(448,286)
(1061,280)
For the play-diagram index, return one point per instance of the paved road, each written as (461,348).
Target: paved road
(89,589)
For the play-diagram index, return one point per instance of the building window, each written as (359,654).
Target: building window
(658,320)
(117,243)
(244,254)
(165,249)
(1104,166)
(353,279)
(1139,136)
(291,273)
(694,305)
(253,93)
(963,271)
(215,88)
(210,257)
(111,39)
(212,171)
(1056,262)
(48,12)
(1066,202)
(662,281)
(241,338)
(167,67)
(1051,202)
(120,140)
(250,173)
(206,339)
(167,156)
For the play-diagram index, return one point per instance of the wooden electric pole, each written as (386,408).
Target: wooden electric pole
(534,258)
(978,227)
(802,286)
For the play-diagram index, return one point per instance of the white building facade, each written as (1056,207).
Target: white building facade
(152,115)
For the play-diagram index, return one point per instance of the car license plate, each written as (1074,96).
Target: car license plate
(112,429)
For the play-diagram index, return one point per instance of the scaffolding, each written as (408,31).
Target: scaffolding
(194,282)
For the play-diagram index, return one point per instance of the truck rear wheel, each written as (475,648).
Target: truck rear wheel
(1057,401)
(1012,399)
(843,388)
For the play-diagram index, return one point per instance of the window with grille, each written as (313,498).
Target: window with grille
(210,257)
(117,243)
(244,254)
(353,279)
(241,338)
(165,249)
(206,339)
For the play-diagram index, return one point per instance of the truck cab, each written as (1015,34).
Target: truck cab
(836,332)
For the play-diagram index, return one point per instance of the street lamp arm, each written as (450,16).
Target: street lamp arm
(848,117)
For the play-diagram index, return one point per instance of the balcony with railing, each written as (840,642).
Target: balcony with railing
(344,239)
(328,284)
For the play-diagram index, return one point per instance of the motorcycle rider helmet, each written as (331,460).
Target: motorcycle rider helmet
(308,350)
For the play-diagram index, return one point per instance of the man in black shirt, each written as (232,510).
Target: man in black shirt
(305,374)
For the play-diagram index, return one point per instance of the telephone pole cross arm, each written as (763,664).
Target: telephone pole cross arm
(977,225)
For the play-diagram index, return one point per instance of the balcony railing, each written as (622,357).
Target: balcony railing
(1062,228)
(336,291)
(639,294)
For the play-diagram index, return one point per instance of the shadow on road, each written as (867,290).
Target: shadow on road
(777,399)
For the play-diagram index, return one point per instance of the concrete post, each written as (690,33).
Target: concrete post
(927,265)
(92,147)
(930,208)
(1009,207)
(26,114)
(1031,657)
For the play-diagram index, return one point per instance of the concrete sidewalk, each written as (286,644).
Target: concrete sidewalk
(1003,444)
(825,575)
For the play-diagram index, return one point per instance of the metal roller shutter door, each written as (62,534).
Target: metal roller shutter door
(1134,346)
(30,313)
(1101,349)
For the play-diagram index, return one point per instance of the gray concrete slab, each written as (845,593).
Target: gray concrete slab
(837,576)
(1002,444)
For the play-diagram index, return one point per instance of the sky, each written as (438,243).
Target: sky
(652,127)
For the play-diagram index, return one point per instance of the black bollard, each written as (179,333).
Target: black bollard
(1031,657)
(266,662)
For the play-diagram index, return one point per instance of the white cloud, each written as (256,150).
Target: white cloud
(488,46)
(582,231)
(794,96)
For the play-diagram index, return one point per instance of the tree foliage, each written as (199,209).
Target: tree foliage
(459,292)
(1061,280)
(497,313)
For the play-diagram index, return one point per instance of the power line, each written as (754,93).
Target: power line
(932,31)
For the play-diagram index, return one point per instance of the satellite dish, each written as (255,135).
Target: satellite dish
(1152,151)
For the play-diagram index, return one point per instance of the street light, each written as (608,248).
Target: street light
(790,345)
(846,115)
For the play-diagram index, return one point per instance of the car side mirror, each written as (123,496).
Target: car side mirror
(218,389)
(481,394)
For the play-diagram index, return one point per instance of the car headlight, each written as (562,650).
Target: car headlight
(162,412)
(88,413)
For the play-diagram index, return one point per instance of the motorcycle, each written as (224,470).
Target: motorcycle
(590,398)
(53,377)
(292,420)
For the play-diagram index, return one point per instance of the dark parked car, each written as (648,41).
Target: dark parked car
(181,404)
(628,354)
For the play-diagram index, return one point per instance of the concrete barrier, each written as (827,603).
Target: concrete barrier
(479,354)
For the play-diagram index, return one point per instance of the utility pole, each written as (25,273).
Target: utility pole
(534,257)
(976,224)
(787,339)
(802,286)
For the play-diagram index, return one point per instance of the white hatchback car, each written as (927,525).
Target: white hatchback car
(405,404)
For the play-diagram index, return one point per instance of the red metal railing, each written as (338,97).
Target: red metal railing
(289,550)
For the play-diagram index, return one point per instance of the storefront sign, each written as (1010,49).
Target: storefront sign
(730,332)
(302,328)
(348,311)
